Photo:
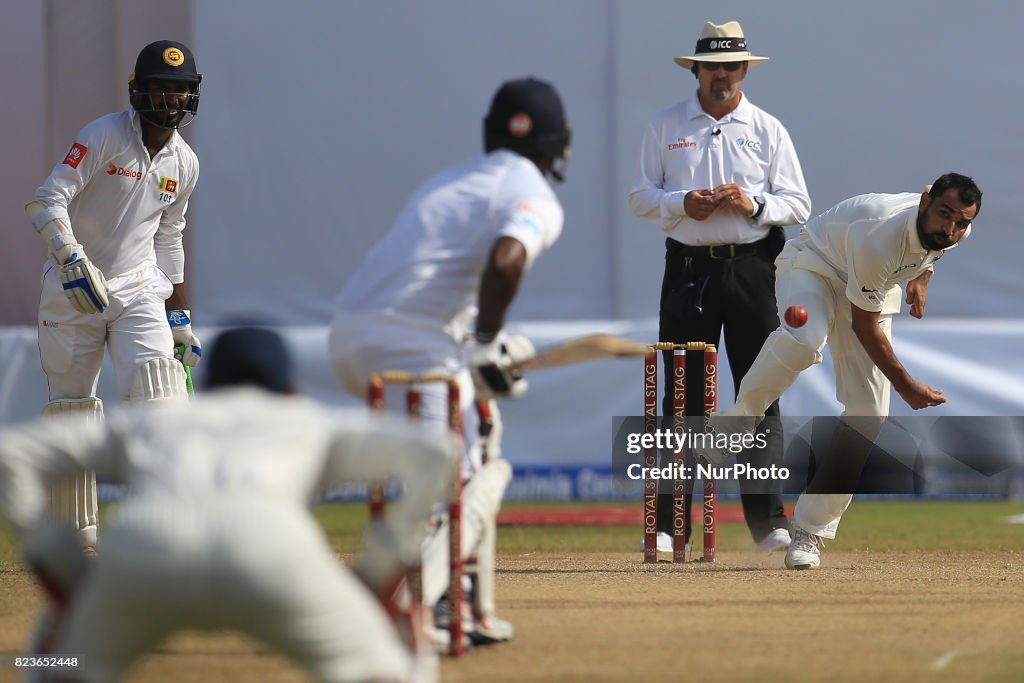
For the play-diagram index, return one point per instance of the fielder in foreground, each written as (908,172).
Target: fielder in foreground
(112,215)
(432,298)
(845,268)
(216,531)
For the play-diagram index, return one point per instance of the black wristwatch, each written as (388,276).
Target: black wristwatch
(759,204)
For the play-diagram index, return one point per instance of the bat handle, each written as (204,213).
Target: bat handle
(180,350)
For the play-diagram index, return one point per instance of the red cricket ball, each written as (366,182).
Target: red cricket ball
(796,316)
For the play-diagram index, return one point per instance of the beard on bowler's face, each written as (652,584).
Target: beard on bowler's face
(932,240)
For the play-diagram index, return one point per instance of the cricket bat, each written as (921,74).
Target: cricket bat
(581,350)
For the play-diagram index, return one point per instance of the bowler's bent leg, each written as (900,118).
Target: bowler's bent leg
(864,392)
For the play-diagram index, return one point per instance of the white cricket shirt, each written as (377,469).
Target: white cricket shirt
(685,149)
(228,444)
(429,265)
(871,243)
(126,209)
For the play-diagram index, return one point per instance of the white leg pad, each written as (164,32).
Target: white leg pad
(90,408)
(73,499)
(483,597)
(481,499)
(159,379)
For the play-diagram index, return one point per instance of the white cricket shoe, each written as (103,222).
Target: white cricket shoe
(774,542)
(805,550)
(666,548)
(664,542)
(477,630)
(491,629)
(439,640)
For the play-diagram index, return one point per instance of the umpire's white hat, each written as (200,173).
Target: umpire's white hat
(720,43)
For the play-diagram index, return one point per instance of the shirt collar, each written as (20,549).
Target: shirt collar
(136,121)
(913,239)
(743,112)
(172,142)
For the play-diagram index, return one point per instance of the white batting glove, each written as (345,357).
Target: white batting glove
(83,283)
(63,247)
(490,363)
(180,321)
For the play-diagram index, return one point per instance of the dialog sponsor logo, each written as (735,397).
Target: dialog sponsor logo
(134,174)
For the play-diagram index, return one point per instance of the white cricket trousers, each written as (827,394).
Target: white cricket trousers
(860,385)
(362,345)
(134,328)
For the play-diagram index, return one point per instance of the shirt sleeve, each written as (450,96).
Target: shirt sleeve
(168,241)
(535,223)
(68,177)
(31,454)
(787,201)
(648,199)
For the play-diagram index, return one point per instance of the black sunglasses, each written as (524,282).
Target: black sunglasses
(728,66)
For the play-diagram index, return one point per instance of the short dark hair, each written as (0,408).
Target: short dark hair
(967,190)
(250,356)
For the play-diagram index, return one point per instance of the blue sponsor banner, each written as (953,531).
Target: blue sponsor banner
(530,482)
(568,483)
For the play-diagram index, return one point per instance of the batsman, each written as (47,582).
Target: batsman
(432,298)
(112,215)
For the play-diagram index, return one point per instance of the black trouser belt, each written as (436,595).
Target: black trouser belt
(714,251)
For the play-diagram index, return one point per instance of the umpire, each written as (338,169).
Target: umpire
(721,177)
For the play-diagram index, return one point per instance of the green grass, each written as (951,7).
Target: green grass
(876,526)
(930,525)
(870,526)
